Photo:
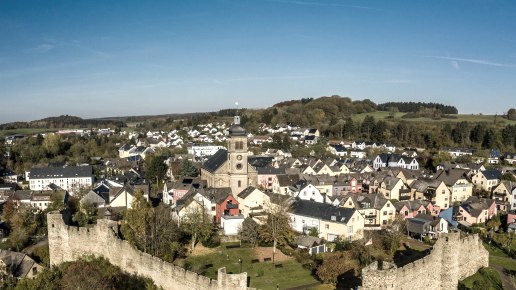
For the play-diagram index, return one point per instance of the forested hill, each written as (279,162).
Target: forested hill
(64,121)
(413,107)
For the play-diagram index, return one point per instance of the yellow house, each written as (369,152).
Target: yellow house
(351,230)
(432,190)
(391,187)
(487,179)
(125,196)
(329,221)
(375,208)
(252,200)
(457,182)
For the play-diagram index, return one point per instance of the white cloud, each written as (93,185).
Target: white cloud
(472,60)
(42,48)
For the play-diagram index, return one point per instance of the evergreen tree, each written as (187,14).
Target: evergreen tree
(188,169)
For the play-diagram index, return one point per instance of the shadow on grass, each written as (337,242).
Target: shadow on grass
(348,280)
(409,255)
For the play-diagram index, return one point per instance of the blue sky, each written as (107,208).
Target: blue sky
(117,58)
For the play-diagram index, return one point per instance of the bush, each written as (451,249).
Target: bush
(41,256)
(260,272)
(333,265)
(287,251)
(212,242)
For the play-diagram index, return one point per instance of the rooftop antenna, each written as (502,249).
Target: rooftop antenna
(237,118)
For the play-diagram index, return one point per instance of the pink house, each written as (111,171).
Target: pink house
(266,176)
(409,208)
(432,209)
(511,218)
(476,210)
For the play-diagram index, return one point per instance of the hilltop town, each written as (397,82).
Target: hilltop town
(227,202)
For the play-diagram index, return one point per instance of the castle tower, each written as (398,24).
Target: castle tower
(237,158)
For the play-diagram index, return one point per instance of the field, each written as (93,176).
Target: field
(286,273)
(26,131)
(383,115)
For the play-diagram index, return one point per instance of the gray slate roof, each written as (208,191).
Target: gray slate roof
(322,211)
(18,264)
(246,192)
(492,174)
(61,172)
(215,161)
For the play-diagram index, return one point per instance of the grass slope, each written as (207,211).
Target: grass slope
(262,275)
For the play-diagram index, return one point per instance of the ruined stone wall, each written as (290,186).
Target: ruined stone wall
(451,260)
(68,243)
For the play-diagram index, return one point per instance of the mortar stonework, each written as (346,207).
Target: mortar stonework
(451,260)
(67,243)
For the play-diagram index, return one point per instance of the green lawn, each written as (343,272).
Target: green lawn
(26,131)
(489,275)
(494,251)
(263,275)
(507,263)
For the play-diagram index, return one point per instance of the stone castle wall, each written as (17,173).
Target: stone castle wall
(451,260)
(67,243)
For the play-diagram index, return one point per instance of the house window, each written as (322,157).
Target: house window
(385,213)
(327,226)
(239,183)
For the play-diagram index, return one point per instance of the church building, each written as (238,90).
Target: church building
(230,168)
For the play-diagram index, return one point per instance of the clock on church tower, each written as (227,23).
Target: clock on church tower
(237,157)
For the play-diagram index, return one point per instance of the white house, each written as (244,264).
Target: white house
(203,150)
(70,178)
(310,192)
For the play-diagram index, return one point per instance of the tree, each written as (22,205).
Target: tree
(24,224)
(188,169)
(164,234)
(333,265)
(276,141)
(134,228)
(511,114)
(9,211)
(197,223)
(509,176)
(152,230)
(155,169)
(85,215)
(287,143)
(56,202)
(249,232)
(86,273)
(492,225)
(367,126)
(313,232)
(397,231)
(276,227)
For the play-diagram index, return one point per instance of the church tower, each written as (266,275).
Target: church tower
(237,158)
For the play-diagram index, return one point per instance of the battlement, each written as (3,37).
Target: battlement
(68,243)
(452,259)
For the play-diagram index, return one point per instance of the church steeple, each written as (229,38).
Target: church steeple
(237,157)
